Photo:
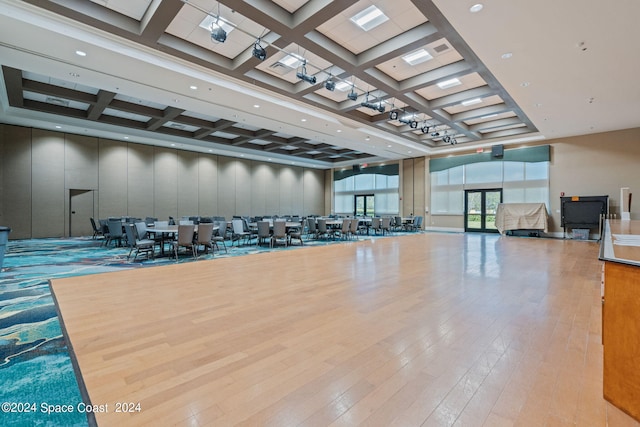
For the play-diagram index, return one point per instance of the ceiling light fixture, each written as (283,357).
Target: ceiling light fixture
(258,51)
(425,129)
(476,8)
(449,83)
(417,57)
(369,18)
(393,115)
(81,53)
(304,76)
(471,102)
(343,86)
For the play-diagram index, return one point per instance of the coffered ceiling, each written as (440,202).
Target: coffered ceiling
(430,77)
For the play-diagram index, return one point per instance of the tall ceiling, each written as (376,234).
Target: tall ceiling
(435,77)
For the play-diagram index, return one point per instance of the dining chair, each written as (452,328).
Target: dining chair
(140,245)
(322,228)
(353,229)
(185,239)
(385,225)
(217,237)
(97,231)
(344,230)
(115,232)
(238,231)
(279,233)
(312,227)
(295,233)
(375,224)
(264,232)
(205,235)
(398,222)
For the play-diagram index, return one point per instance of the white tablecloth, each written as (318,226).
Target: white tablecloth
(521,216)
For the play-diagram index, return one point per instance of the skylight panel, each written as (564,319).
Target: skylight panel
(417,57)
(369,18)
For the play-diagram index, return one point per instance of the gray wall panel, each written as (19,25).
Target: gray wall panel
(112,178)
(207,185)
(187,183)
(15,180)
(243,187)
(226,187)
(313,187)
(38,168)
(165,183)
(48,194)
(140,181)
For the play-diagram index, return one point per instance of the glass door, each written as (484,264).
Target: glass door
(480,208)
(364,205)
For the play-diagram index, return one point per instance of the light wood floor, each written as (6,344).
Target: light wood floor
(431,329)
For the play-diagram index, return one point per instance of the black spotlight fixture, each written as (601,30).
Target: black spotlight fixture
(434,134)
(258,51)
(353,95)
(446,139)
(218,34)
(413,124)
(425,129)
(304,76)
(330,85)
(379,107)
(393,115)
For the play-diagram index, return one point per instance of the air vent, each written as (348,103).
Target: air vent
(280,69)
(441,48)
(57,101)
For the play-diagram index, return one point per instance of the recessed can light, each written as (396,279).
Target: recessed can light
(476,8)
(507,55)
(193,87)
(81,53)
(256,106)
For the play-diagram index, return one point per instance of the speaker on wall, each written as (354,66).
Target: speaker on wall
(356,168)
(497,150)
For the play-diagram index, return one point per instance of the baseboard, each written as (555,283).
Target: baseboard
(445,229)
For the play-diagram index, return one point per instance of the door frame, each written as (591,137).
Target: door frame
(355,203)
(483,209)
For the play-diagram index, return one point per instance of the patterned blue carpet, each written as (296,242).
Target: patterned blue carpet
(36,372)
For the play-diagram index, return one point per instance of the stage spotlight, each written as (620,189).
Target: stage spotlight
(330,85)
(434,134)
(379,107)
(218,34)
(425,129)
(446,139)
(413,125)
(304,76)
(353,95)
(258,51)
(393,115)
(309,79)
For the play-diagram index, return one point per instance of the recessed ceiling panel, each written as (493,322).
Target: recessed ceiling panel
(133,9)
(402,15)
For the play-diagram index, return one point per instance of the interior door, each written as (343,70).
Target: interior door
(480,210)
(364,205)
(81,209)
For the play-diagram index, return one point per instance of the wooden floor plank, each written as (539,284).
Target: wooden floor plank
(430,329)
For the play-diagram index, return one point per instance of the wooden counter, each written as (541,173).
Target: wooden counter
(621,315)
